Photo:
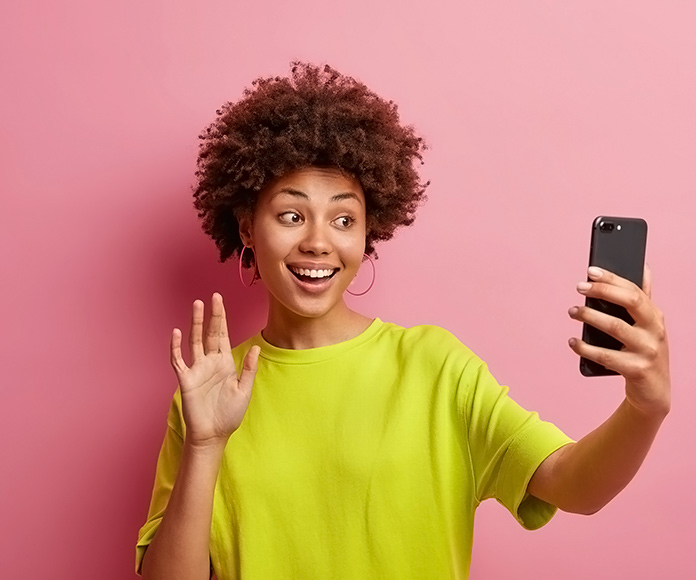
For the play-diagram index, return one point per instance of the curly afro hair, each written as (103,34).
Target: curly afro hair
(316,117)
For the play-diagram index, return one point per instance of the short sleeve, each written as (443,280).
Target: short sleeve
(507,444)
(165,476)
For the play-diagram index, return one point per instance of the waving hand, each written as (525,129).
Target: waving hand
(214,398)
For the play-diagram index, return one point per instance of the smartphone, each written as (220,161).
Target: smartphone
(618,245)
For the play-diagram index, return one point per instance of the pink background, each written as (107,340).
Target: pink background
(541,115)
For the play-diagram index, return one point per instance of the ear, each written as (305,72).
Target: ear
(245,230)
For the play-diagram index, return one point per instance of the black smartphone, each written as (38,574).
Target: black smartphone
(618,245)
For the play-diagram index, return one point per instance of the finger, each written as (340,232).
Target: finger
(212,336)
(596,274)
(647,280)
(630,297)
(615,360)
(622,331)
(246,379)
(225,345)
(196,335)
(175,353)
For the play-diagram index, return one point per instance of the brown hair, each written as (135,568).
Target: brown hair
(319,117)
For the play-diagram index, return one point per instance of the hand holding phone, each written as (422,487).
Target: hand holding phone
(618,246)
(614,282)
(644,359)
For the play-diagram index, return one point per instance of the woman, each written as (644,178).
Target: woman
(366,447)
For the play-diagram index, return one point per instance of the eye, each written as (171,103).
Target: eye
(345,221)
(290,217)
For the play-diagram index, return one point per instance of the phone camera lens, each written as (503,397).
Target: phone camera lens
(606,227)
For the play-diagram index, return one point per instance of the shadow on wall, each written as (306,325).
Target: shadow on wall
(168,263)
(183,265)
(191,269)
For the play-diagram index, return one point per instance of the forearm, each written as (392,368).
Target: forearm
(181,546)
(585,476)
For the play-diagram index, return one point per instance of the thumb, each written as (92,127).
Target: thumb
(246,379)
(647,280)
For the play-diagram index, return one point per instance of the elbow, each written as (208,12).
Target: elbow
(590,511)
(583,509)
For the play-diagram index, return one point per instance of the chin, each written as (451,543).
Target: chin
(307,300)
(313,311)
(308,308)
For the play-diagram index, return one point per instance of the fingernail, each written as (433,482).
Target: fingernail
(583,286)
(572,341)
(573,310)
(594,272)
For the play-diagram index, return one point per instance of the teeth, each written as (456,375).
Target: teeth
(312,273)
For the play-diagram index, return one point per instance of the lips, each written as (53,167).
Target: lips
(314,273)
(314,276)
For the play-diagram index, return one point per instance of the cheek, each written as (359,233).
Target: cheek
(269,241)
(266,255)
(353,250)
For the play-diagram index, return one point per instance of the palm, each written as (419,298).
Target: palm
(214,399)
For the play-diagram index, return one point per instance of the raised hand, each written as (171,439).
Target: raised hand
(644,360)
(214,399)
(583,477)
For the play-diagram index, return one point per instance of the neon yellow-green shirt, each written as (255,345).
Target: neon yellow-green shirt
(364,459)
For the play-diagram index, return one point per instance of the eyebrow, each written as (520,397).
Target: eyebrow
(303,195)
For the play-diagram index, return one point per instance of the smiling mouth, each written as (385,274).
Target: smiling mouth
(313,276)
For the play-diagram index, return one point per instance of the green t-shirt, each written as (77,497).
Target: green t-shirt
(364,459)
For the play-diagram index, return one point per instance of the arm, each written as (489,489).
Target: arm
(180,548)
(583,477)
(214,402)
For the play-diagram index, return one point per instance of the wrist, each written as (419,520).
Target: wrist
(654,411)
(209,449)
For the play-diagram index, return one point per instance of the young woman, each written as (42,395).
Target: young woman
(366,446)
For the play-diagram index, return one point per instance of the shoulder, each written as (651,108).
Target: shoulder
(427,341)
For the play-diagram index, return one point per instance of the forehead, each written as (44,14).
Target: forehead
(315,184)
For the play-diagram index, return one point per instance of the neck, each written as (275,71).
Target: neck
(286,329)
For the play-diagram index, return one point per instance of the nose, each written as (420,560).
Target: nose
(316,239)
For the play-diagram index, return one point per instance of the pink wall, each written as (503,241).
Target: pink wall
(541,115)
